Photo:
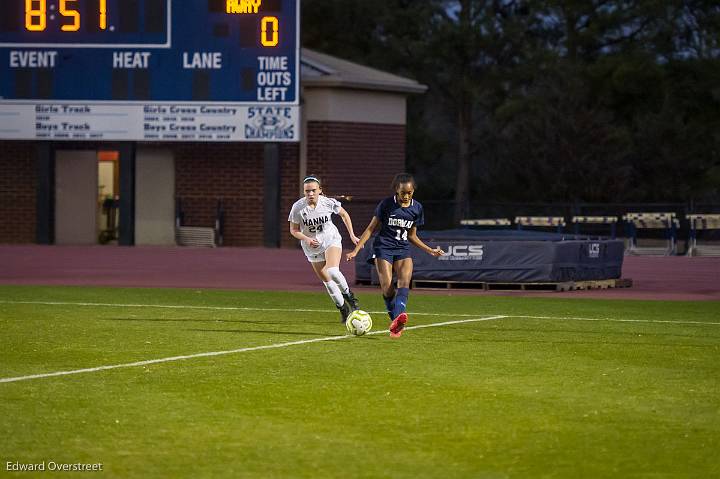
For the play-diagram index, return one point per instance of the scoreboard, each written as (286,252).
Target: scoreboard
(156,70)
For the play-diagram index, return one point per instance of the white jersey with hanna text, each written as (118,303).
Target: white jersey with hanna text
(317,223)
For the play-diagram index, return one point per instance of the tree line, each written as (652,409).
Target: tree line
(546,101)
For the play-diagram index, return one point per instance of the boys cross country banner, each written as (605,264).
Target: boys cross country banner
(151,122)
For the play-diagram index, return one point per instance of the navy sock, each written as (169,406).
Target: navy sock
(389,304)
(401,299)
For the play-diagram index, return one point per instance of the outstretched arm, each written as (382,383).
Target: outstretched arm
(348,224)
(374,223)
(413,238)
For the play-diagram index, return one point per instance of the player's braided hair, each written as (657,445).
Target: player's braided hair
(403,178)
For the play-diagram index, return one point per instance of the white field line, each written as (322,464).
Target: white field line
(615,320)
(290,310)
(231,351)
(295,343)
(209,308)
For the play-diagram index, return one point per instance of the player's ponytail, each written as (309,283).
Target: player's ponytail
(403,178)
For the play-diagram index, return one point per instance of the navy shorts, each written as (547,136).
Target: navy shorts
(389,255)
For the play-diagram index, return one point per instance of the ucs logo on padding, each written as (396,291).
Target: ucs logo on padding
(594,250)
(462,252)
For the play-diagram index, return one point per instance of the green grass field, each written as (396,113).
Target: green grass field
(553,388)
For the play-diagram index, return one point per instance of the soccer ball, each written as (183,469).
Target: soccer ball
(358,322)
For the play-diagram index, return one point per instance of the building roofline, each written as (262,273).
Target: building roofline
(334,72)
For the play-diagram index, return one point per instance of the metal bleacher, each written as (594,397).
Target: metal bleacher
(595,220)
(199,236)
(665,221)
(195,236)
(541,221)
(665,231)
(486,222)
(698,223)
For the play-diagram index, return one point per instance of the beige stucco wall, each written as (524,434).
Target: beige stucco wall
(76,197)
(359,106)
(154,197)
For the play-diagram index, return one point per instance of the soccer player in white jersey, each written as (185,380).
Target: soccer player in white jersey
(311,223)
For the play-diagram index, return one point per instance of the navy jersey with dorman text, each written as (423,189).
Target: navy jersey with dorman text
(396,222)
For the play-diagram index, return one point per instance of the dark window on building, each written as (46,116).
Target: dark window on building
(141,84)
(201,85)
(128,14)
(11,18)
(155,20)
(120,85)
(45,83)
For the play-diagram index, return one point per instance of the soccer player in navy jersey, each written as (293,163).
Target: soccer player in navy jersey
(396,220)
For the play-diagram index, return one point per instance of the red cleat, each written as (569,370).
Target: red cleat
(398,324)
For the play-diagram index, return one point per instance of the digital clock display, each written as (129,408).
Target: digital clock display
(78,23)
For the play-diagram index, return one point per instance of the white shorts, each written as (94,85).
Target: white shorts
(320,257)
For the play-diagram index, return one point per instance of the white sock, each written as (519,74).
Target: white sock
(334,293)
(339,278)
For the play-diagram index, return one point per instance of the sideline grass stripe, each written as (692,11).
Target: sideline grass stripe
(210,308)
(232,351)
(290,310)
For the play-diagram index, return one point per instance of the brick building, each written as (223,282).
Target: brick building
(352,136)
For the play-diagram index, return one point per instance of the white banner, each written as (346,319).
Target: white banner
(148,122)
